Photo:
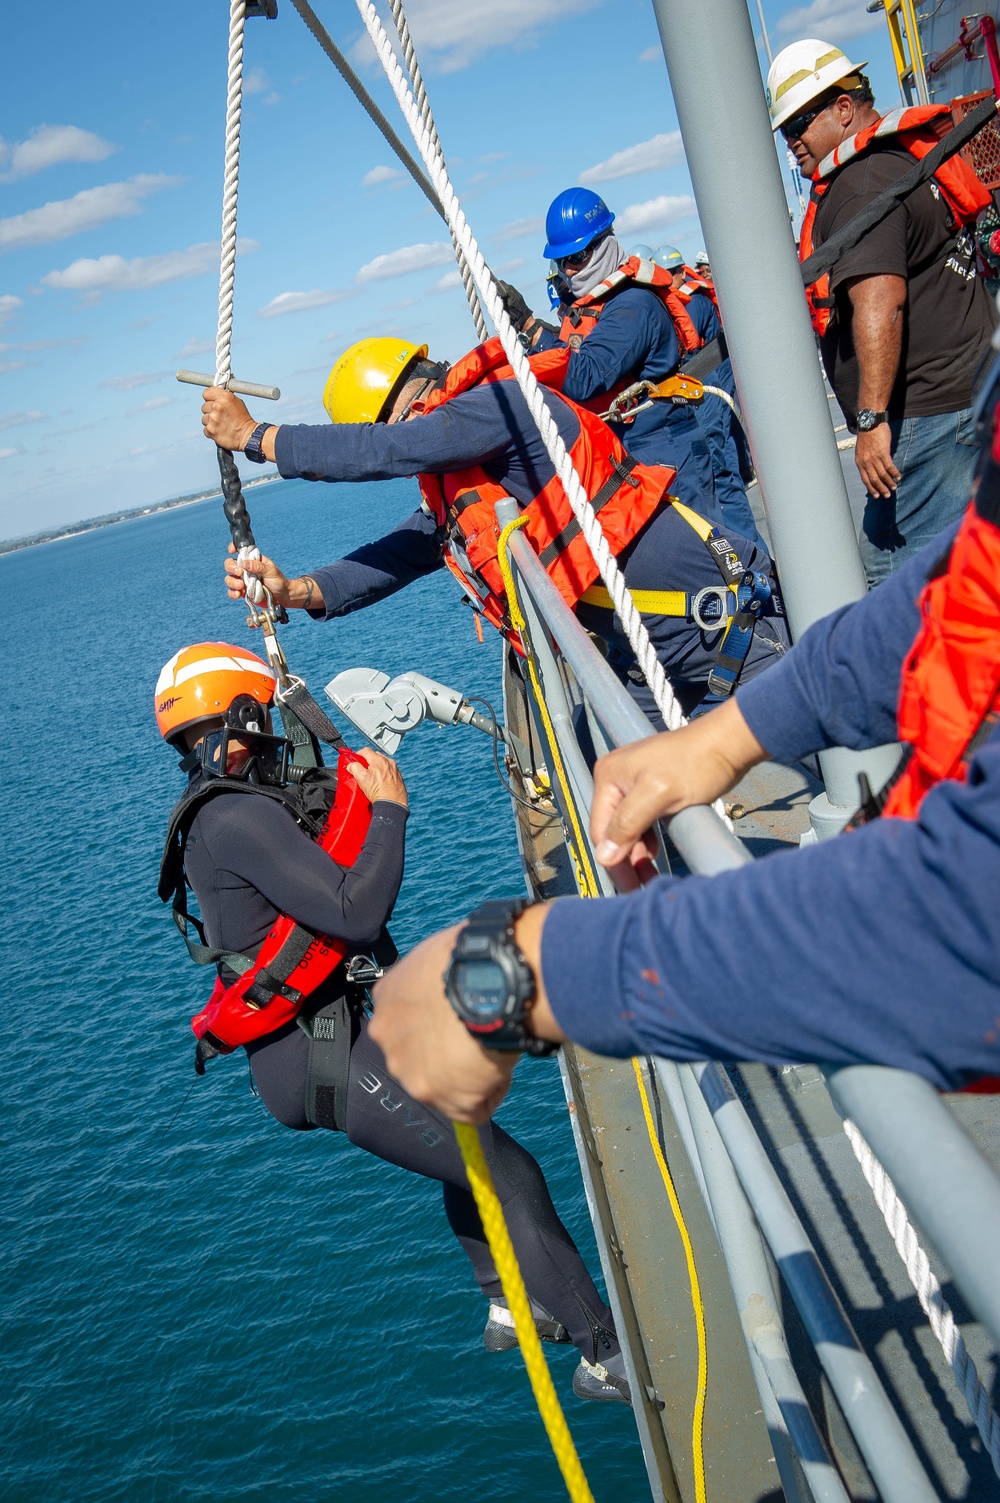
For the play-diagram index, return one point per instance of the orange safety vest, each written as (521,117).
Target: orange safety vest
(917,130)
(622,491)
(581,318)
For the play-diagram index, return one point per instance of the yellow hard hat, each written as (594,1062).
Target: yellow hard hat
(365,377)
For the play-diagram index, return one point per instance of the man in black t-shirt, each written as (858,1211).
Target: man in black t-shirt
(910,322)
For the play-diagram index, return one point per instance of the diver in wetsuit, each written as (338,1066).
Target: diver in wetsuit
(249,860)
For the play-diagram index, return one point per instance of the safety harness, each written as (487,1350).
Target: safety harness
(918,131)
(274,982)
(744,596)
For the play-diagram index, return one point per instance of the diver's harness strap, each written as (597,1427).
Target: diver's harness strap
(313,717)
(741,601)
(331,1032)
(621,474)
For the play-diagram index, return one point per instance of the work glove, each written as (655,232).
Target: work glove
(517,309)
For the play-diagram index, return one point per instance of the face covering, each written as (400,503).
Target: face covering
(606,259)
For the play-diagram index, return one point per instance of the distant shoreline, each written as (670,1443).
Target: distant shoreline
(91,524)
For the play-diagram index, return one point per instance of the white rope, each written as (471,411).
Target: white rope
(624,605)
(932,1301)
(423,105)
(227,267)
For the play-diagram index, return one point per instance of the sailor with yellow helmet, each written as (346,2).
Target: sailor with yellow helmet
(466,432)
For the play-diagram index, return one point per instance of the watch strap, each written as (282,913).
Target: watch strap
(496,919)
(252,449)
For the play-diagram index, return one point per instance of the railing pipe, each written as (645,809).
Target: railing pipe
(699,835)
(741,202)
(750,1276)
(941,1176)
(877,1429)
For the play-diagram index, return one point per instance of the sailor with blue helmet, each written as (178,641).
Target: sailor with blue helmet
(629,330)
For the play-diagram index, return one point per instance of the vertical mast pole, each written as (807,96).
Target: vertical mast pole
(715,79)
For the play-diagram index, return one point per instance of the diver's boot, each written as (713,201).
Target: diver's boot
(500,1335)
(604,1381)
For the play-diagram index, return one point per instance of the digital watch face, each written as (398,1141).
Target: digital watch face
(483,988)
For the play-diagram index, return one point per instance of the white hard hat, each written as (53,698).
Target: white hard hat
(801,73)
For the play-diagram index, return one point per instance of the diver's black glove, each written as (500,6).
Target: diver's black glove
(517,309)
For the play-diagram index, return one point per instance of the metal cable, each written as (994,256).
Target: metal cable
(611,575)
(932,1301)
(227,267)
(423,105)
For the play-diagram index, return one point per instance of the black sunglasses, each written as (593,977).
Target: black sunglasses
(579,259)
(792,129)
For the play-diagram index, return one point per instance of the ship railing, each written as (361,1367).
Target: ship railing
(946,1184)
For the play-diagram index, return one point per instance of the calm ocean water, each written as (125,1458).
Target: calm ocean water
(221,1309)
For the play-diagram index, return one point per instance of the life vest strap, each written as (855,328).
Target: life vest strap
(621,474)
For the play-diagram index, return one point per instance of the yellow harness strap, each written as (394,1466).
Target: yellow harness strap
(658,602)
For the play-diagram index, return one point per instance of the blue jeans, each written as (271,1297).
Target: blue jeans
(936,457)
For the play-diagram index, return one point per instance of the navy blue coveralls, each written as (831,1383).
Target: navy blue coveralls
(491,426)
(721,427)
(635,340)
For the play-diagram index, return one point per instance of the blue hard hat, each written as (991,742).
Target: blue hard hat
(575,218)
(644,252)
(669,257)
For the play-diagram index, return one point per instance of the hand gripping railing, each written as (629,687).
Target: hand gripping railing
(946,1183)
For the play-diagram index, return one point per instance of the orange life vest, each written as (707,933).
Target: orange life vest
(950,691)
(917,130)
(581,318)
(623,492)
(692,284)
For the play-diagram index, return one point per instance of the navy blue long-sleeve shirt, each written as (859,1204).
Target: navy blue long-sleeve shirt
(882,946)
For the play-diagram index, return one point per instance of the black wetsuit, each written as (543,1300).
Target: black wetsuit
(246,859)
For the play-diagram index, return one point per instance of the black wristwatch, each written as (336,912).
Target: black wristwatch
(866,420)
(252,448)
(488,981)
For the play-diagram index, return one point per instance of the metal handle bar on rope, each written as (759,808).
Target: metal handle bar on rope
(625,609)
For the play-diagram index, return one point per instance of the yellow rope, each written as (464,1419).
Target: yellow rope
(585,870)
(491,1215)
(698,1419)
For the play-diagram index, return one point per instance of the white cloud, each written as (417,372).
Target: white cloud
(48,145)
(84,211)
(836,19)
(651,55)
(511,265)
(114,273)
(129,383)
(384,176)
(9,305)
(450,280)
(152,405)
(518,229)
(667,209)
(458,31)
(196,347)
(18,419)
(255,82)
(13,365)
(299,302)
(401,262)
(8,453)
(648,156)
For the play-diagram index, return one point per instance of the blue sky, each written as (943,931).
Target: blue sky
(110,202)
